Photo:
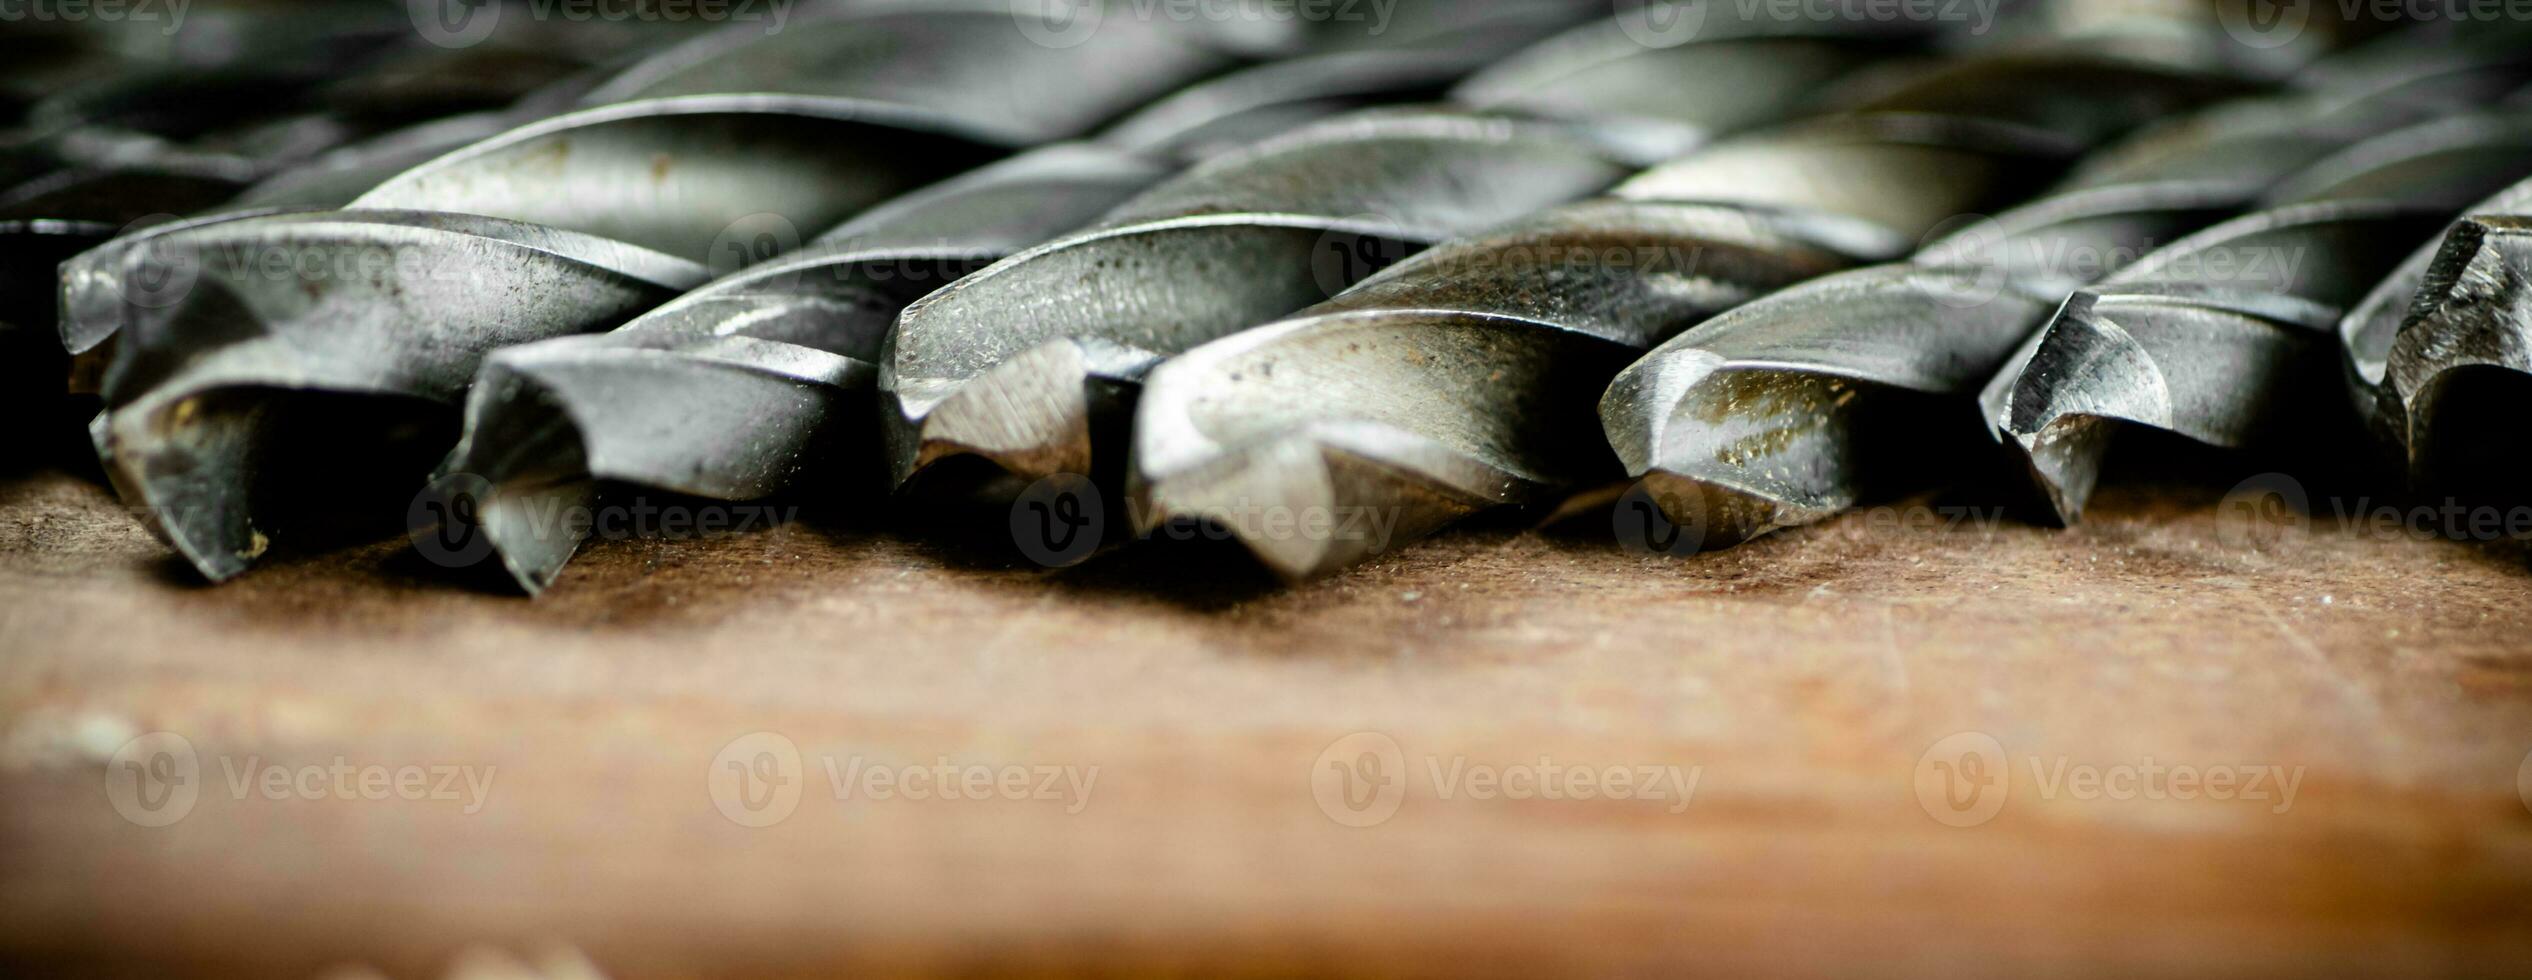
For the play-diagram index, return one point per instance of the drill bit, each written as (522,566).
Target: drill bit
(1460,379)
(1662,99)
(752,383)
(2216,337)
(1797,406)
(774,364)
(92,282)
(138,143)
(206,394)
(973,62)
(569,225)
(1021,363)
(810,125)
(657,173)
(2450,327)
(1243,107)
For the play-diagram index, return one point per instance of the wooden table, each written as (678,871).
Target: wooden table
(1810,684)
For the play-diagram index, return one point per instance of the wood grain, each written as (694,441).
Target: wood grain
(1803,677)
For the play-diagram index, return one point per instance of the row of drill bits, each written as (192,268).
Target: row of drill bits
(1748,268)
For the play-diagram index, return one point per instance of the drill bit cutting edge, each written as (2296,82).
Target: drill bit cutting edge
(1028,362)
(1465,371)
(1863,384)
(2217,337)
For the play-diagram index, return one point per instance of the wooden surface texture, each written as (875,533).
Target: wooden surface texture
(1803,682)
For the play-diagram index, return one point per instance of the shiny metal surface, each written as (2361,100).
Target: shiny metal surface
(2220,337)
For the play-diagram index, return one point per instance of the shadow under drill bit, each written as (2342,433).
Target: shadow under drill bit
(1067,531)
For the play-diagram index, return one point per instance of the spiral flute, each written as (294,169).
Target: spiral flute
(1797,406)
(569,225)
(2223,337)
(1458,379)
(2436,354)
(752,383)
(1031,363)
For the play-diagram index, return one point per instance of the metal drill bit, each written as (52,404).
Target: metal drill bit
(1013,363)
(1662,99)
(1022,362)
(771,368)
(1795,407)
(673,173)
(2451,321)
(733,124)
(204,392)
(976,63)
(1243,426)
(195,423)
(90,284)
(1243,107)
(136,144)
(2221,337)
(48,220)
(664,174)
(737,389)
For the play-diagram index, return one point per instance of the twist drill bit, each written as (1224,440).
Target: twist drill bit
(771,368)
(741,388)
(2435,350)
(1252,104)
(208,398)
(89,287)
(659,173)
(682,145)
(46,221)
(2215,337)
(136,145)
(1661,99)
(1007,364)
(194,424)
(1796,406)
(976,63)
(1022,362)
(1461,374)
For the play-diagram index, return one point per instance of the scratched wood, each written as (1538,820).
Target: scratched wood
(1803,679)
